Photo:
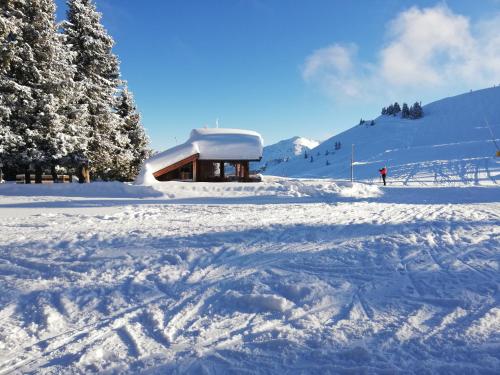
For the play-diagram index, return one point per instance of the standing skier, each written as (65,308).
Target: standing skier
(383,173)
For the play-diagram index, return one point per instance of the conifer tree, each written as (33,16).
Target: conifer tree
(135,149)
(36,87)
(416,111)
(390,110)
(98,73)
(10,25)
(405,112)
(396,108)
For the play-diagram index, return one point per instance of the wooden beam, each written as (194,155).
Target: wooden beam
(181,163)
(222,171)
(246,170)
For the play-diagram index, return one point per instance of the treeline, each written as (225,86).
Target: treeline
(413,112)
(63,105)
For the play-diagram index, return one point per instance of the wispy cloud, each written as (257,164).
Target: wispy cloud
(426,49)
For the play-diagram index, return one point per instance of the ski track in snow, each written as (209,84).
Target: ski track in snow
(401,283)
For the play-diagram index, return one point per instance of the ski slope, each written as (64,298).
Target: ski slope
(286,276)
(450,145)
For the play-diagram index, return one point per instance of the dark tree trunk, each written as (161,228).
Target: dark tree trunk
(83,174)
(54,174)
(79,173)
(27,176)
(38,174)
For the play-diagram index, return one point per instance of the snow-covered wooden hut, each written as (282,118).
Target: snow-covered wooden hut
(206,156)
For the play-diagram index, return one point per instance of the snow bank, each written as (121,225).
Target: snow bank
(210,144)
(93,190)
(271,187)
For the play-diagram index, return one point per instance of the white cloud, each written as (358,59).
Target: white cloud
(431,49)
(335,70)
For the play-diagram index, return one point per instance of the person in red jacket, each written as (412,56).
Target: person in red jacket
(383,173)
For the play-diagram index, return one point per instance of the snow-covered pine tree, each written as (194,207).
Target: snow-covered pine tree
(405,111)
(396,108)
(98,73)
(10,22)
(416,111)
(36,87)
(16,96)
(135,150)
(390,110)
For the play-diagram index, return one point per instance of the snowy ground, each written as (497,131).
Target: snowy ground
(279,277)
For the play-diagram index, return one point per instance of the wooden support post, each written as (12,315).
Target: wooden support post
(246,170)
(195,170)
(222,172)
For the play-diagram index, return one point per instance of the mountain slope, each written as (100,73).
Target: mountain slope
(451,144)
(284,150)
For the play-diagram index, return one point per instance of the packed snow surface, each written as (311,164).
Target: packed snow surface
(210,144)
(451,144)
(286,276)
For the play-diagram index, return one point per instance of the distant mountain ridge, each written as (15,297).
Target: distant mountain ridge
(451,144)
(284,150)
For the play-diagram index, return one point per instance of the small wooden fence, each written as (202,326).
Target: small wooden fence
(46,179)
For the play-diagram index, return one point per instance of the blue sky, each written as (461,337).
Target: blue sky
(289,67)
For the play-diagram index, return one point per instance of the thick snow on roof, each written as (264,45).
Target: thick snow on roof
(211,144)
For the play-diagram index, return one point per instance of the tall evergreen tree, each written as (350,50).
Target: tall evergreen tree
(10,24)
(405,111)
(36,87)
(390,110)
(98,73)
(135,149)
(416,111)
(396,108)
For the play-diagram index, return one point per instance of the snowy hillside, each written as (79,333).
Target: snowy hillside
(451,144)
(282,151)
